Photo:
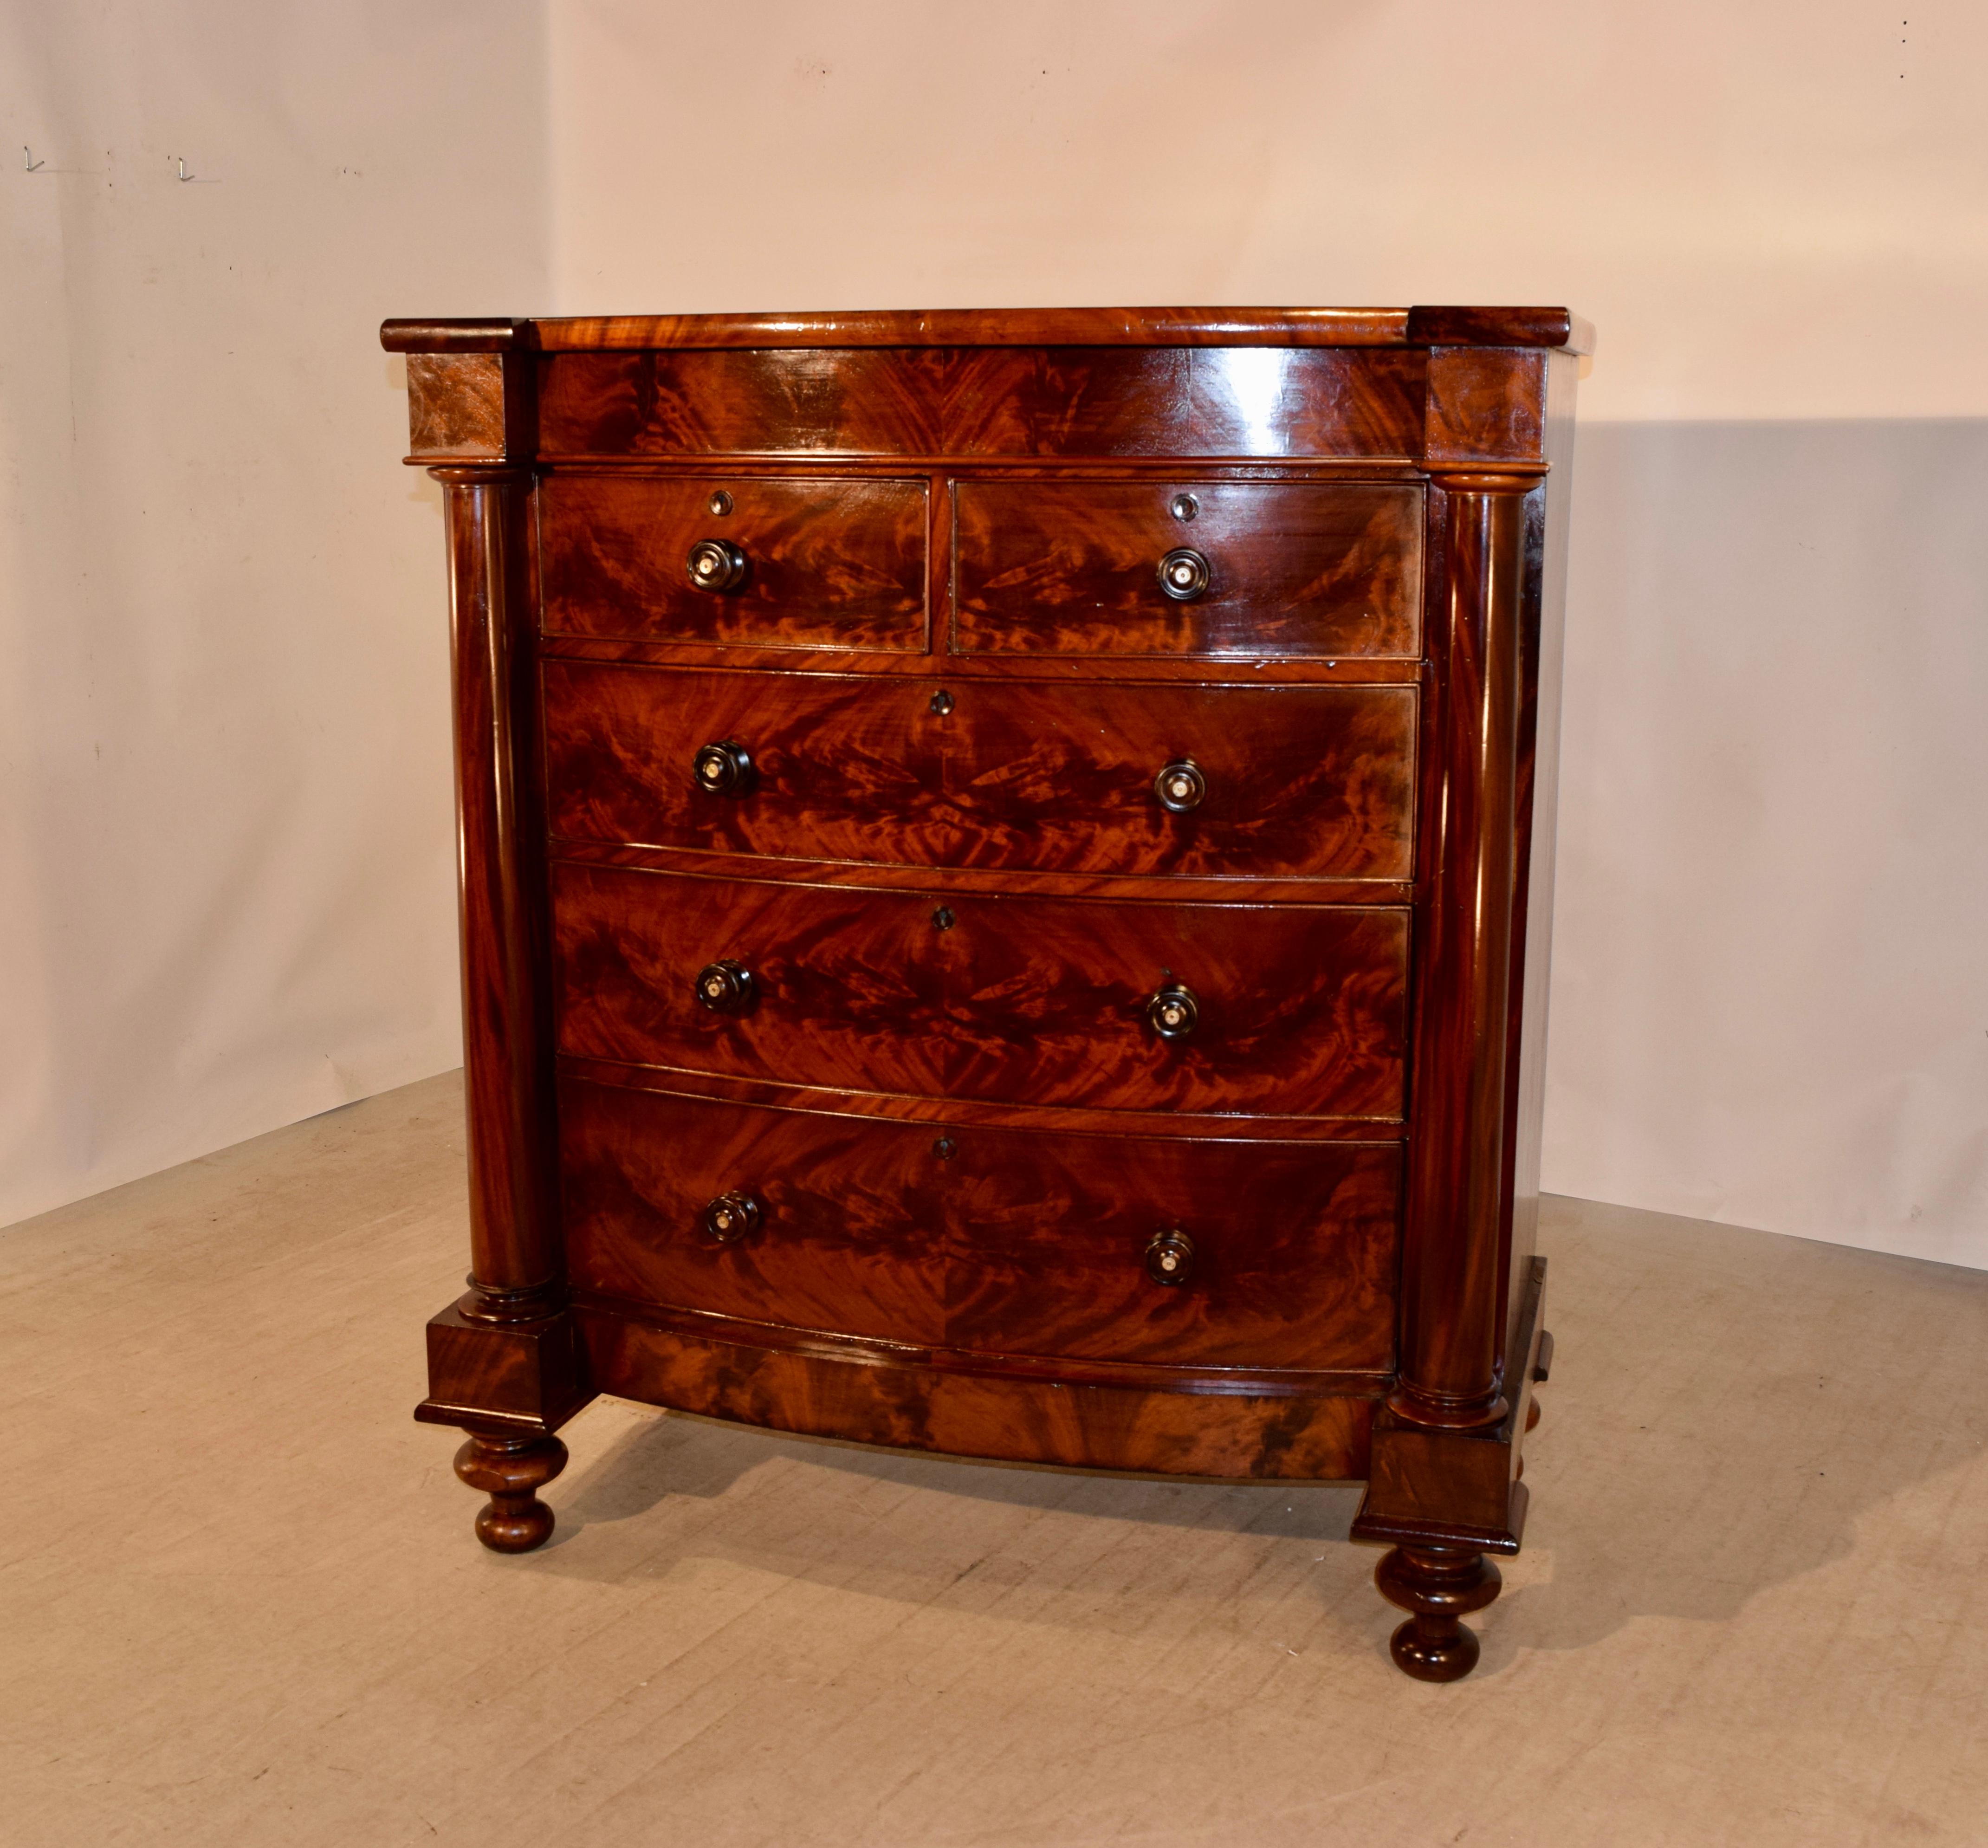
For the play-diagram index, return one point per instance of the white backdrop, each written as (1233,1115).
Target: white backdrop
(1770,1006)
(226,878)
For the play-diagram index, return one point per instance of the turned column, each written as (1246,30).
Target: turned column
(1452,1313)
(515,1278)
(514,1265)
(505,1360)
(1441,1487)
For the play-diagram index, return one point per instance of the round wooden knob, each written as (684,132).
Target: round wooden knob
(1173,1012)
(1181,786)
(732,1216)
(1170,1258)
(723,770)
(1184,574)
(724,987)
(715,564)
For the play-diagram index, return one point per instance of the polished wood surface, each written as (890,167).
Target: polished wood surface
(455,405)
(1003,1242)
(985,403)
(1295,569)
(1486,407)
(954,1111)
(1038,1001)
(971,989)
(1311,783)
(830,563)
(514,1235)
(1014,327)
(511,1470)
(1453,1317)
(908,1403)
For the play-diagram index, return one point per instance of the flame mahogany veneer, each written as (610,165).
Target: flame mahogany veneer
(1006,866)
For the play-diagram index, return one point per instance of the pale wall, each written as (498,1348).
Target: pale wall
(223,881)
(1771,1003)
(226,886)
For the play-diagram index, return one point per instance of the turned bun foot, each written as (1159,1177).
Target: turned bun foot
(1437,1586)
(511,1470)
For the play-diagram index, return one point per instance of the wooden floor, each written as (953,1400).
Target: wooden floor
(240,1602)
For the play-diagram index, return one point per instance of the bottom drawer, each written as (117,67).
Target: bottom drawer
(998,1241)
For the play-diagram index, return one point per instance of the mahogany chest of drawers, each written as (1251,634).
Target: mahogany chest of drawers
(1006,873)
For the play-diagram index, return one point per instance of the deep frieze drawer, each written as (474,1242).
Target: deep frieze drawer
(991,1240)
(1287,782)
(1264,402)
(1296,1011)
(801,561)
(1265,569)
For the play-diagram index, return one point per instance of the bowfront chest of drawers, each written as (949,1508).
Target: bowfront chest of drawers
(1006,872)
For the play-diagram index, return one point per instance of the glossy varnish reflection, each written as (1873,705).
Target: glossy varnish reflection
(989,1242)
(1300,783)
(826,563)
(1294,569)
(1085,1015)
(991,402)
(1024,1000)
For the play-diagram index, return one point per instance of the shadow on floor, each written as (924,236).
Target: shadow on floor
(1726,1405)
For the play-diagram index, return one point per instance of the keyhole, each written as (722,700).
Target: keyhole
(943,919)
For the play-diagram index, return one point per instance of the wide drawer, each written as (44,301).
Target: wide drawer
(1299,1010)
(988,1240)
(804,562)
(1263,570)
(1299,782)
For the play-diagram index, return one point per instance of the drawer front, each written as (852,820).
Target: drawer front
(1292,569)
(849,1238)
(1008,1244)
(1299,782)
(1289,1251)
(1274,403)
(819,563)
(1300,1008)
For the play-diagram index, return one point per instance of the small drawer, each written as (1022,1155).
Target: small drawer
(1288,782)
(1263,570)
(997,1241)
(800,562)
(1295,1010)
